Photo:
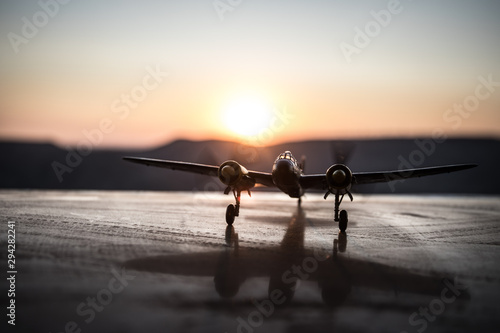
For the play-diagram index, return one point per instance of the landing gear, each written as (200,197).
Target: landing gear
(230,214)
(233,210)
(342,220)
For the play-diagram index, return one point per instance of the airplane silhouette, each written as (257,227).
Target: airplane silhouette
(288,176)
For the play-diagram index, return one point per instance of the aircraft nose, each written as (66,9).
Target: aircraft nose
(284,174)
(284,165)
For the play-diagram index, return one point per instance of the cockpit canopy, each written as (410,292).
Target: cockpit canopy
(288,156)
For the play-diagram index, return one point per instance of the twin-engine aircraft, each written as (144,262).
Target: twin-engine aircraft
(288,176)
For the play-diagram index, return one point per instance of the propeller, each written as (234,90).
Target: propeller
(338,178)
(341,151)
(228,172)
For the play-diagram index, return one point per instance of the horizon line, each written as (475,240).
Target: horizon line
(4,140)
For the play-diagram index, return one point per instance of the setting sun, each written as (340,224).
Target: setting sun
(247,115)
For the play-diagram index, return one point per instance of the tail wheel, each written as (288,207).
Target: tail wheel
(230,214)
(343,221)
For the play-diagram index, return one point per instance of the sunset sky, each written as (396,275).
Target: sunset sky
(143,73)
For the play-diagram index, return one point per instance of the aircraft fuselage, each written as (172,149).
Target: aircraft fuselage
(286,175)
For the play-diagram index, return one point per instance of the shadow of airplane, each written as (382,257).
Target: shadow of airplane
(288,264)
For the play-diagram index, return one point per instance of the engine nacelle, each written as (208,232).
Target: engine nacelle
(231,173)
(339,178)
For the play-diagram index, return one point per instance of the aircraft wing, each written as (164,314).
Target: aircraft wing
(313,181)
(263,178)
(318,181)
(203,169)
(387,176)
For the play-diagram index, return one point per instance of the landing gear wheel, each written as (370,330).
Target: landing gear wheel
(230,214)
(343,221)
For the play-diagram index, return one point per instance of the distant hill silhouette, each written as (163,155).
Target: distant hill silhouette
(31,165)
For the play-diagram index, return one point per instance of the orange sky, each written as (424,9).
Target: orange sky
(183,66)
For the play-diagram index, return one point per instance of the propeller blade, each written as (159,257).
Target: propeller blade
(341,151)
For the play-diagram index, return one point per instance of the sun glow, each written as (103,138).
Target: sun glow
(247,115)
